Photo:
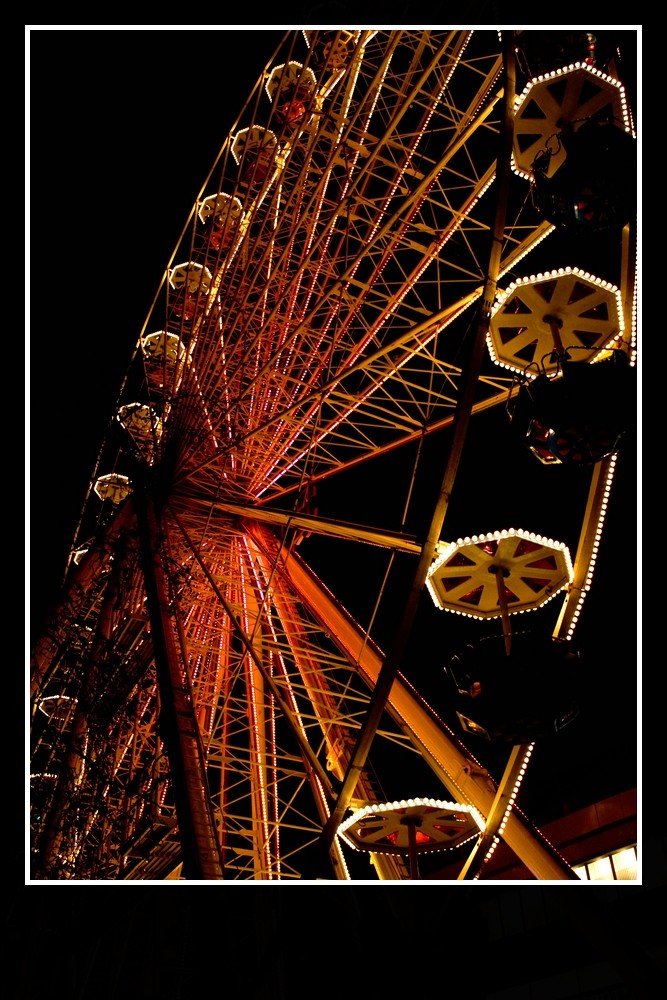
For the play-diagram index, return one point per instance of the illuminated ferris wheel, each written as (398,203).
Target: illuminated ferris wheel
(356,276)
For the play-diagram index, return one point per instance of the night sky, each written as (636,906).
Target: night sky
(119,149)
(123,128)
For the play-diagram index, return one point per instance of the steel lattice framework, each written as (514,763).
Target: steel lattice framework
(199,692)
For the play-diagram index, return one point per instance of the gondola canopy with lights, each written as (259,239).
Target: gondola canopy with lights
(464,576)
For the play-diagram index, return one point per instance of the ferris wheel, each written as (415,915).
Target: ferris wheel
(375,258)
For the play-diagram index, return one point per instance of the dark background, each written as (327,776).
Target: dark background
(123,126)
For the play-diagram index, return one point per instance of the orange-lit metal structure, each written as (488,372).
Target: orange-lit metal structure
(201,697)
